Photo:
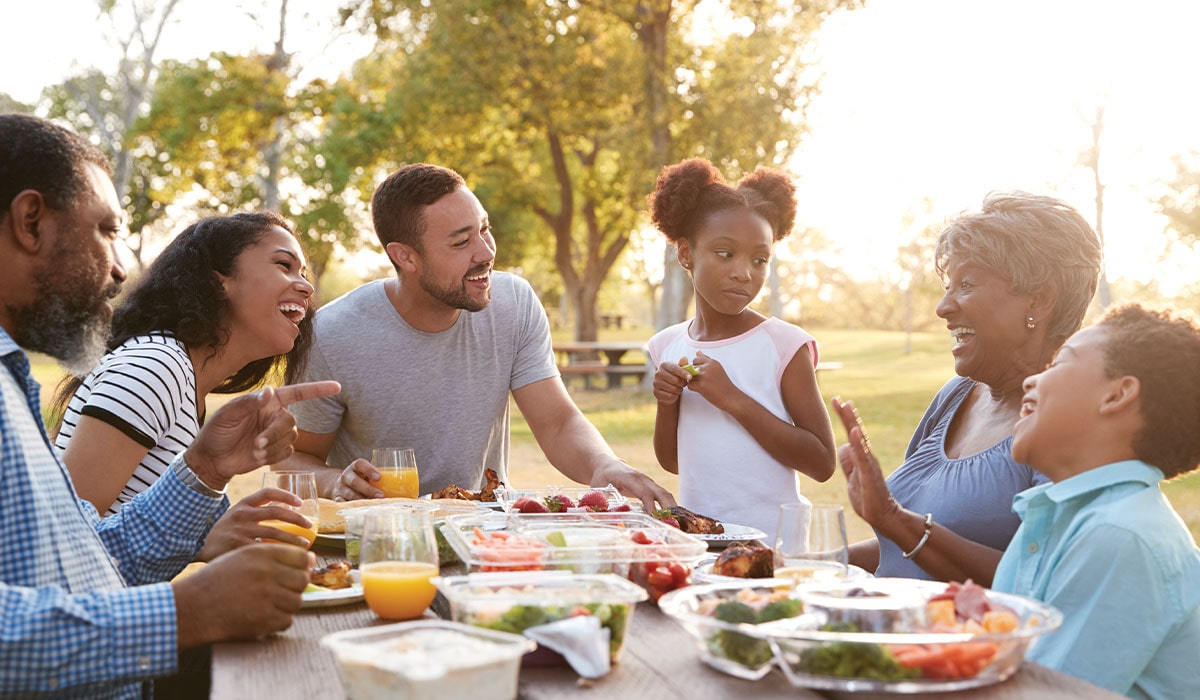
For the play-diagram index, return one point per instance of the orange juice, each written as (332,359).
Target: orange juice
(309,533)
(398,590)
(399,483)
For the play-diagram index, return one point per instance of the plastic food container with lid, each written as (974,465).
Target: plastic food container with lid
(630,545)
(428,660)
(514,602)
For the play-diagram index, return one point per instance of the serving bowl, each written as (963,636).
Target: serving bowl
(878,635)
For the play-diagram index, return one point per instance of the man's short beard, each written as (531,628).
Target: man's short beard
(67,325)
(454,298)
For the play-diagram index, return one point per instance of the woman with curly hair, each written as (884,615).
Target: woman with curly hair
(739,412)
(221,310)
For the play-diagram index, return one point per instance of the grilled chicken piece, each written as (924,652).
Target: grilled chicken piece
(333,575)
(453,491)
(488,492)
(694,523)
(745,560)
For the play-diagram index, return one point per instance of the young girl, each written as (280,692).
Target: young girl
(739,412)
(223,306)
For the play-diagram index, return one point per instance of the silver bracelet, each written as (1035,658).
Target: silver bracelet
(924,538)
(189,478)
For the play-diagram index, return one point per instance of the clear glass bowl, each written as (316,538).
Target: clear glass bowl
(738,649)
(506,497)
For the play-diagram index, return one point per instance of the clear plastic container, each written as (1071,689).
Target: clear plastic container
(513,602)
(630,545)
(506,497)
(428,660)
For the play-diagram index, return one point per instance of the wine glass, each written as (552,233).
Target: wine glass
(811,542)
(398,557)
(397,471)
(303,485)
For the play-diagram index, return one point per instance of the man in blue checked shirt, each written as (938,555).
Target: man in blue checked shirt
(86,605)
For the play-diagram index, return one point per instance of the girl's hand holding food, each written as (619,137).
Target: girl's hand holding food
(670,381)
(711,382)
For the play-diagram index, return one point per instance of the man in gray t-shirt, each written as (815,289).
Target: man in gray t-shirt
(416,371)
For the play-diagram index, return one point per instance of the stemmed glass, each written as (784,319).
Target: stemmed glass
(811,541)
(397,471)
(303,485)
(398,557)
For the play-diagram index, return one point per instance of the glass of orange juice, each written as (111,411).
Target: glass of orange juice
(397,558)
(304,485)
(397,471)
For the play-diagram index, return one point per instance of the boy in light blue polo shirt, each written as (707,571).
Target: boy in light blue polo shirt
(1115,413)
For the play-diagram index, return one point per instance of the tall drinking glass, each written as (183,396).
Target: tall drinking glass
(811,542)
(303,485)
(398,557)
(397,471)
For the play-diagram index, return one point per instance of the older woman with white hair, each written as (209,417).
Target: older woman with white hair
(1019,276)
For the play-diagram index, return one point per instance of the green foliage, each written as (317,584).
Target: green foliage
(1181,204)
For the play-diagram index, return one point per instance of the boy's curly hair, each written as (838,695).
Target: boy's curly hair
(688,192)
(1163,352)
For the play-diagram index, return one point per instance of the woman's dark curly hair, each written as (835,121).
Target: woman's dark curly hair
(1163,352)
(181,293)
(687,193)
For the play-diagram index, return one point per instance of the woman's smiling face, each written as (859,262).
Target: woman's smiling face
(992,341)
(268,294)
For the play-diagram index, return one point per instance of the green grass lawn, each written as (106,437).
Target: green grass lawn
(891,389)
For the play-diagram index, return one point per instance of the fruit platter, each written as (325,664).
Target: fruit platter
(635,546)
(564,499)
(871,635)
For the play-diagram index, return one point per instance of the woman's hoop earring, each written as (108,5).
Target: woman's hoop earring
(1029,323)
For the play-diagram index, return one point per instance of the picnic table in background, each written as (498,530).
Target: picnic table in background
(595,359)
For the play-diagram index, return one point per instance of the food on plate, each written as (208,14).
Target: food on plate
(690,522)
(745,560)
(854,660)
(487,494)
(333,518)
(333,575)
(750,607)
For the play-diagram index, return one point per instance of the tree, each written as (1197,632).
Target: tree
(10,105)
(108,106)
(536,95)
(1181,203)
(1090,159)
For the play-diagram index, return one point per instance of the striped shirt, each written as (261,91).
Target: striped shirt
(86,609)
(146,388)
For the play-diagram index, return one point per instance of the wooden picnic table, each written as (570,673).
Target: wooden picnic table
(577,358)
(659,661)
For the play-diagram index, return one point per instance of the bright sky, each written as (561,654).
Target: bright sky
(942,100)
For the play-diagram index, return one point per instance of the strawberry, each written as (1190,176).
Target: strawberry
(594,501)
(667,517)
(641,537)
(558,503)
(529,505)
(620,508)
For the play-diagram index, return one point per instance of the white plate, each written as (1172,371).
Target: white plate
(332,597)
(733,533)
(703,573)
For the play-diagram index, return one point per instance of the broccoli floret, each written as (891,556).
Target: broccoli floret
(779,610)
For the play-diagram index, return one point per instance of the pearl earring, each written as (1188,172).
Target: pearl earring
(1029,323)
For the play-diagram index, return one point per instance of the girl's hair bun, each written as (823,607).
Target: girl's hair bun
(677,194)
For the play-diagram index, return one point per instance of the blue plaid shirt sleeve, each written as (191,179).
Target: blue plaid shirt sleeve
(95,644)
(159,532)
